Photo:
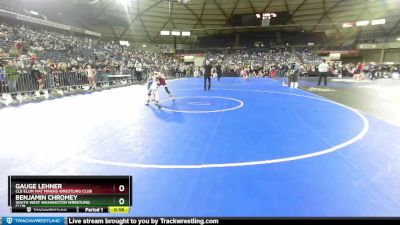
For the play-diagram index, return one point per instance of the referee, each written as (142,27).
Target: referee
(323,72)
(207,75)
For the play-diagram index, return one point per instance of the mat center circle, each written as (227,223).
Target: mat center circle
(201,104)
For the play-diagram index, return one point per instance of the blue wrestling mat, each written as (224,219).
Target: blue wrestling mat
(245,148)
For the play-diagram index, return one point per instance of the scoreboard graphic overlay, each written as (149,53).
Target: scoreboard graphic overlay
(75,194)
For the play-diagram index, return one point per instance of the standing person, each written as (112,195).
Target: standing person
(273,71)
(196,72)
(184,71)
(138,72)
(290,76)
(266,70)
(323,72)
(294,73)
(372,70)
(2,80)
(35,73)
(219,71)
(181,69)
(207,75)
(91,77)
(285,69)
(244,74)
(12,75)
(191,69)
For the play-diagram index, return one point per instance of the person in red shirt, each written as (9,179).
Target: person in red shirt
(162,81)
(359,67)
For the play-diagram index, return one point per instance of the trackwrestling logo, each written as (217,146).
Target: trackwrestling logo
(33,220)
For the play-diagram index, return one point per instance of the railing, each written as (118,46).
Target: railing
(25,86)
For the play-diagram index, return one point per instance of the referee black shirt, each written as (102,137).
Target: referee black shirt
(207,70)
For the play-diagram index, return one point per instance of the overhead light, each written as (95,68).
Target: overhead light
(123,2)
(165,33)
(362,23)
(347,25)
(34,13)
(378,22)
(125,43)
(176,33)
(398,38)
(186,33)
(183,1)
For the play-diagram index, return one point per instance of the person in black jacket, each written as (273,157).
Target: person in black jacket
(207,75)
(372,70)
(219,71)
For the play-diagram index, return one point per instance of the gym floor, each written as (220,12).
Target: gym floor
(379,98)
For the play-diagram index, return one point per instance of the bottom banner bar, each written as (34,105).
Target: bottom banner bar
(221,221)
(188,221)
(33,220)
(140,221)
